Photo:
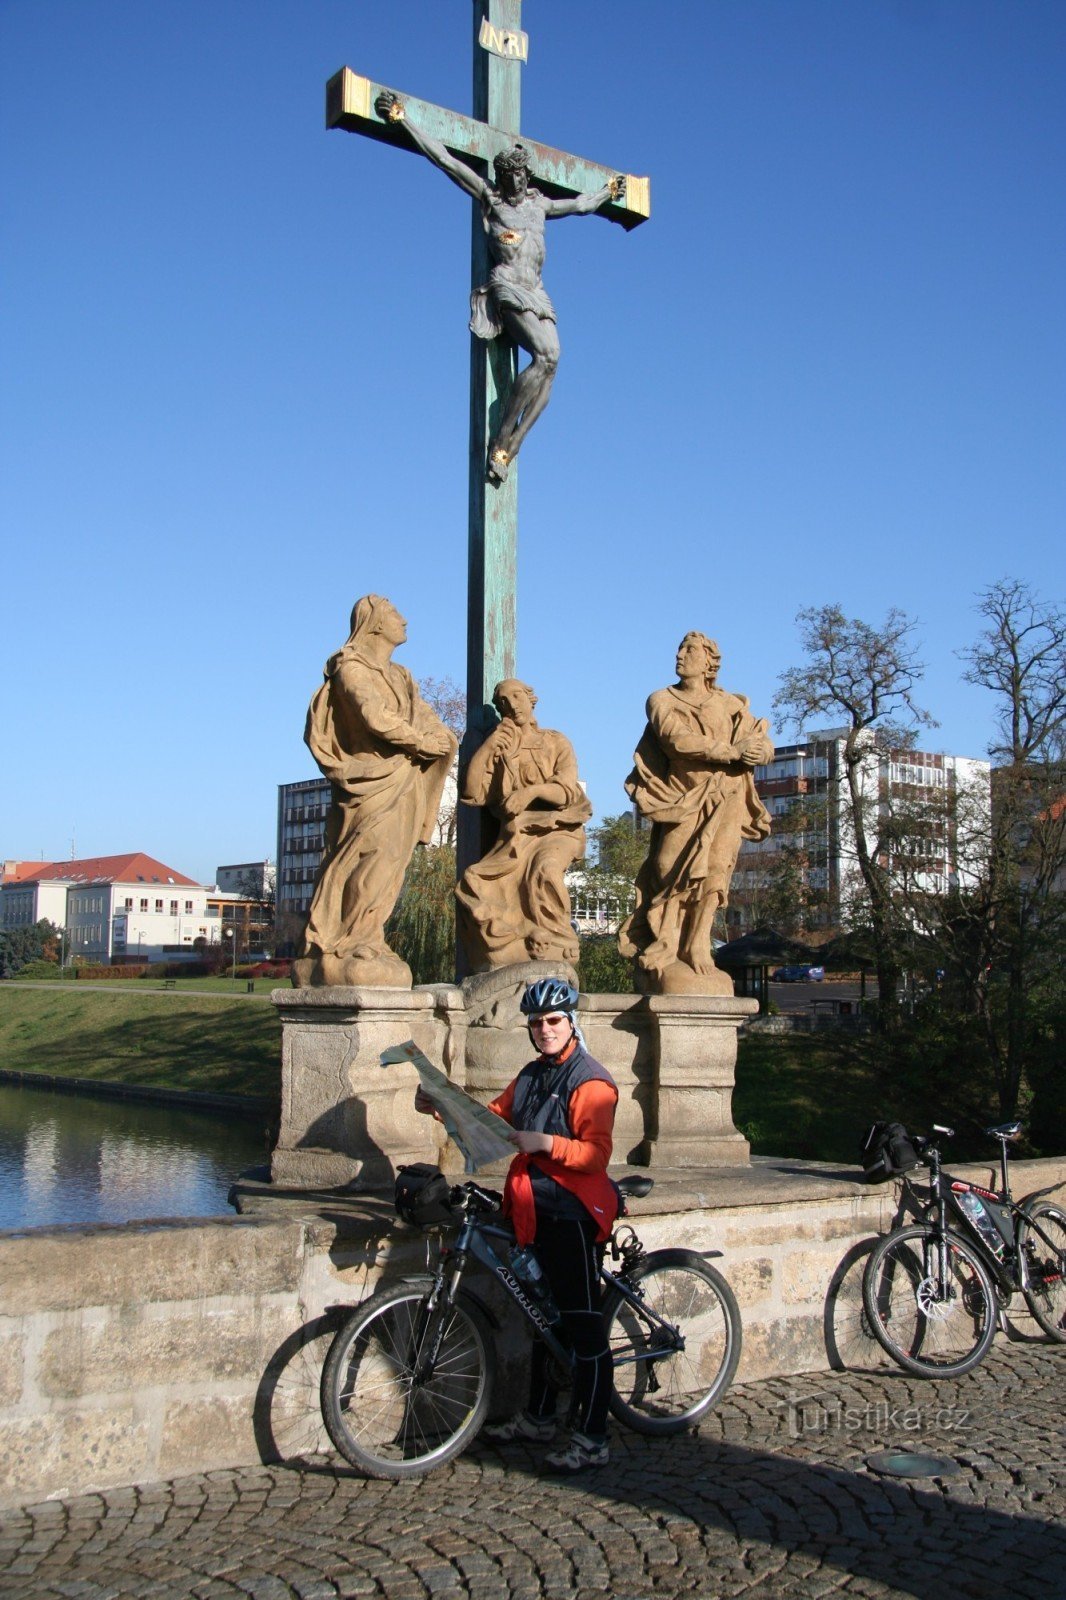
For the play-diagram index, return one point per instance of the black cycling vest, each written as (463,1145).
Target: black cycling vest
(541,1105)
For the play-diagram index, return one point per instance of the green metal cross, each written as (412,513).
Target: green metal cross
(499,50)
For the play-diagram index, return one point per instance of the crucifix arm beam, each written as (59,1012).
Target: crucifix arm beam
(350,105)
(437,151)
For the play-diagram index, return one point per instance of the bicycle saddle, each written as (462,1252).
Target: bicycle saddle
(635,1186)
(1004,1130)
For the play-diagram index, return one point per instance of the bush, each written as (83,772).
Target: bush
(43,969)
(602,968)
(102,974)
(1046,1075)
(266,969)
(177,969)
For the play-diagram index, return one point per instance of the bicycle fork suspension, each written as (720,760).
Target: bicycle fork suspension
(428,1333)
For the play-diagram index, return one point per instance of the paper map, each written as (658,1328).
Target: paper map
(479,1133)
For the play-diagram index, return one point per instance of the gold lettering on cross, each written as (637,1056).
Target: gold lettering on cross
(510,43)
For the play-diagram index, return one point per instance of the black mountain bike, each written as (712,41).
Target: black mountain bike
(933,1290)
(408,1379)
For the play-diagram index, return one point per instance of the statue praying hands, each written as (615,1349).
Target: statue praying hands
(514,301)
(513,904)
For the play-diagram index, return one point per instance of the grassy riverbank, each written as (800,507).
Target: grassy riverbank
(814,1095)
(804,1095)
(808,1095)
(221,984)
(162,1041)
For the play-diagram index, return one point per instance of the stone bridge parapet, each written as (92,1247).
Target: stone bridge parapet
(148,1350)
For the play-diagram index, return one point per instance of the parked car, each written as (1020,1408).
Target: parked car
(798,974)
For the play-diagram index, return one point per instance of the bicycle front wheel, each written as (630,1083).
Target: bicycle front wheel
(390,1410)
(1042,1243)
(932,1325)
(675,1345)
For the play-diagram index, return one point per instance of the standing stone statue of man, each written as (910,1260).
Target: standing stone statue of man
(514,300)
(693,781)
(386,755)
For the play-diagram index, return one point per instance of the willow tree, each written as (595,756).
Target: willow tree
(421,929)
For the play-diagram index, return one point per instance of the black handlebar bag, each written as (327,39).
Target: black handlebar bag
(421,1195)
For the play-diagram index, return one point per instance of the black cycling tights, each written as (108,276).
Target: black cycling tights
(568,1252)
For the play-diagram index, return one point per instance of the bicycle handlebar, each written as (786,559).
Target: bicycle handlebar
(472,1197)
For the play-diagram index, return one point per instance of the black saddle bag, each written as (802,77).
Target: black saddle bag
(887,1152)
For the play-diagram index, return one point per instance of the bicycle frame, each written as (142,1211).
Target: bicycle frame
(475,1239)
(1009,1272)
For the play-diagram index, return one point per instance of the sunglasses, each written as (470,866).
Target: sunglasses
(555,1020)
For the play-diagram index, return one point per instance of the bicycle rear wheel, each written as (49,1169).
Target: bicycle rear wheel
(676,1348)
(935,1327)
(382,1412)
(1042,1242)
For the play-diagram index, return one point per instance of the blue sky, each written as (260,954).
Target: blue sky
(233,393)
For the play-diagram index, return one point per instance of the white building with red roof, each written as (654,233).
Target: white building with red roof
(112,908)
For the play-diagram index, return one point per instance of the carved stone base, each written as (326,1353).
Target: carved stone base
(347,1120)
(385,971)
(680,978)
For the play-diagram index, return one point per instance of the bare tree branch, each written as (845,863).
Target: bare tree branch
(1021,658)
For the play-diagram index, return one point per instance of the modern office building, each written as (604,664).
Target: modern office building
(806,782)
(254,880)
(302,809)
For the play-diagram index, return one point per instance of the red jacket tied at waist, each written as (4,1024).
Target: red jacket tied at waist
(594,1189)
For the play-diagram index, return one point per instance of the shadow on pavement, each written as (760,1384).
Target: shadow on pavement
(914,1538)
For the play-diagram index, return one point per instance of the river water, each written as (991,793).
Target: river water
(77,1158)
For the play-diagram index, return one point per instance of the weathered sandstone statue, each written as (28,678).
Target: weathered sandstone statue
(386,755)
(513,904)
(693,782)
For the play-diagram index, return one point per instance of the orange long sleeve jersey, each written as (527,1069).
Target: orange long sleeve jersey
(590,1113)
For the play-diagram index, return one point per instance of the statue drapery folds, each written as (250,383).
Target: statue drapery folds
(693,781)
(513,904)
(386,755)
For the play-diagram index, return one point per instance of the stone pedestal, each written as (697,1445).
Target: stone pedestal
(695,1072)
(347,1120)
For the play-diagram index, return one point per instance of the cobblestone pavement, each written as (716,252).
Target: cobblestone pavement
(773,1500)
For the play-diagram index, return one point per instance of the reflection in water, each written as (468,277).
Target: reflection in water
(74,1158)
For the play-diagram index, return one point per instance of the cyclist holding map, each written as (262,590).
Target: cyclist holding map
(559,1198)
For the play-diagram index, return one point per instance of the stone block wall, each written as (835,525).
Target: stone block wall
(146,1351)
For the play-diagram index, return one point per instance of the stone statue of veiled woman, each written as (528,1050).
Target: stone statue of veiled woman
(386,755)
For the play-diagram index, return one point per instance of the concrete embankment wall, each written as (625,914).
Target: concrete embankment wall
(145,1351)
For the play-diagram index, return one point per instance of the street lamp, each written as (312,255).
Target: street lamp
(231,933)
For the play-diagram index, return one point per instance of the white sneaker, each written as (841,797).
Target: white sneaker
(521,1428)
(581,1453)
